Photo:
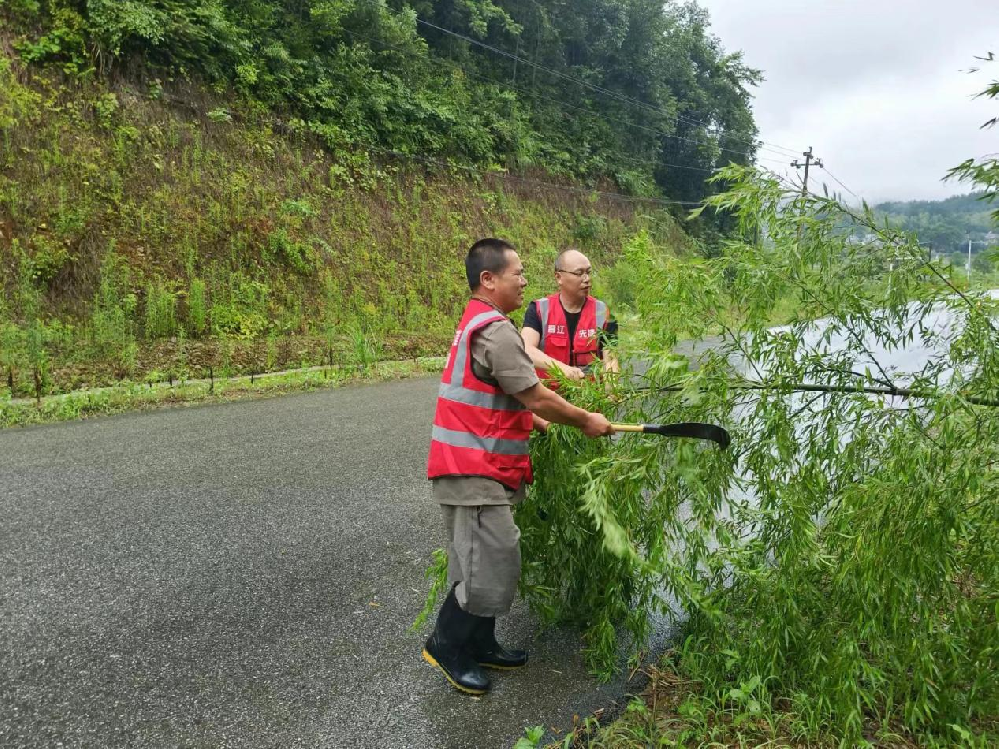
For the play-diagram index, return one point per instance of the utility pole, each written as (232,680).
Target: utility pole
(809,160)
(969,259)
(971,242)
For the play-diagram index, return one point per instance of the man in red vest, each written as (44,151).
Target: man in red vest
(488,400)
(567,330)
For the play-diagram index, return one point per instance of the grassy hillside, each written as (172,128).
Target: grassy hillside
(156,230)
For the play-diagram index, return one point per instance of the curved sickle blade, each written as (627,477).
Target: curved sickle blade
(692,429)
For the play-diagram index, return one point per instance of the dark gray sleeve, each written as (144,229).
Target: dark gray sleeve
(499,350)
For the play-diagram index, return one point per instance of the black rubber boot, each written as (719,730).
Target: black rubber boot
(489,653)
(448,648)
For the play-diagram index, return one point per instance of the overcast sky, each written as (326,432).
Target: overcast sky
(878,88)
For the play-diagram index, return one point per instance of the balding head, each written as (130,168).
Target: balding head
(572,274)
(571,259)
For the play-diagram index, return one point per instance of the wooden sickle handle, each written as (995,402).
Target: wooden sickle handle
(628,427)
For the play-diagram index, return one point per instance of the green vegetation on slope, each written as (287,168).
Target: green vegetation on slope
(140,234)
(192,187)
(635,90)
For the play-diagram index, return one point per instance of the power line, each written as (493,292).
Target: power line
(504,53)
(608,92)
(591,113)
(533,94)
(782,154)
(580,81)
(767,158)
(774,147)
(547,185)
(840,183)
(594,115)
(762,144)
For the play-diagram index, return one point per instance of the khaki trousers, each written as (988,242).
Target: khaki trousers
(483,550)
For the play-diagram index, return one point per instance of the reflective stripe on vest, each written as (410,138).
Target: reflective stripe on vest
(489,444)
(542,305)
(601,315)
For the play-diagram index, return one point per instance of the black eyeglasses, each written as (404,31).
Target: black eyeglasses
(588,272)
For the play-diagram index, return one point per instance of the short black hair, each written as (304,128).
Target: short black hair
(486,254)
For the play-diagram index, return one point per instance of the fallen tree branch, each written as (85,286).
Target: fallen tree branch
(804,387)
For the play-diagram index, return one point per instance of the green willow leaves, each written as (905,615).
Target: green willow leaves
(845,551)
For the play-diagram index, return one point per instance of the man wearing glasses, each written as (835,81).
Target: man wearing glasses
(567,330)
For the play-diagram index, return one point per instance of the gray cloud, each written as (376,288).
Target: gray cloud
(879,88)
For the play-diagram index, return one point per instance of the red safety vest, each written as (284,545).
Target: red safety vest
(555,332)
(478,429)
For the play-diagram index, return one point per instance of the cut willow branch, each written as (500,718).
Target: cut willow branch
(805,387)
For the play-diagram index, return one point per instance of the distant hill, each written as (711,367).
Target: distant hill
(945,225)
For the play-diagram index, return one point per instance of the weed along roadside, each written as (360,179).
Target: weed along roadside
(136,396)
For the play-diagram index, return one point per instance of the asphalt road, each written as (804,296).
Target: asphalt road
(244,575)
